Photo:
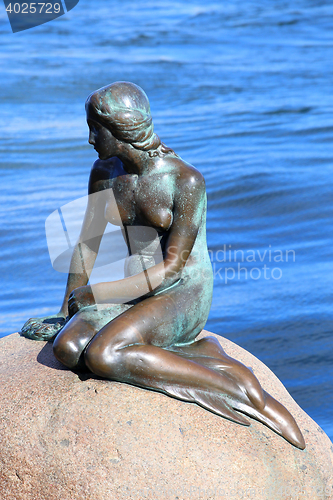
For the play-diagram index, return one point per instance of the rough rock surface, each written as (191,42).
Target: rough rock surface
(65,438)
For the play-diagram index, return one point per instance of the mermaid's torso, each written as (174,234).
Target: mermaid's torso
(143,208)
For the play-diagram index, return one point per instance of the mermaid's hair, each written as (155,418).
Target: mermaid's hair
(124,109)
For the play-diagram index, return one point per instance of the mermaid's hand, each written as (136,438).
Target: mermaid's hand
(45,328)
(80,297)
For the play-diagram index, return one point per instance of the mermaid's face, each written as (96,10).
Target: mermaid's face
(101,138)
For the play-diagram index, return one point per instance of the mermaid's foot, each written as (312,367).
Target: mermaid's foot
(275,416)
(246,396)
(241,375)
(208,352)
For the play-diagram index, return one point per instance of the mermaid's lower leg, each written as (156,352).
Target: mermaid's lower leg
(156,368)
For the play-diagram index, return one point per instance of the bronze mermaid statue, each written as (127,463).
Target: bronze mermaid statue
(142,329)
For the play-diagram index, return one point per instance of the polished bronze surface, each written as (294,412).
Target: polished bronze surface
(142,330)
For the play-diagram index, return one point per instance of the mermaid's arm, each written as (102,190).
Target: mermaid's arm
(93,227)
(82,261)
(188,210)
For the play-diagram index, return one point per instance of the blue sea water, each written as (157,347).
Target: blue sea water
(240,89)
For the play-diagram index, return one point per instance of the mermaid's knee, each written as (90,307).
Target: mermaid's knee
(70,343)
(103,361)
(67,352)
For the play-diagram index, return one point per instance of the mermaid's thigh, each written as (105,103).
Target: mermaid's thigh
(161,320)
(184,312)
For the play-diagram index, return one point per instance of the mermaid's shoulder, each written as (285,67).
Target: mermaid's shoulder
(101,173)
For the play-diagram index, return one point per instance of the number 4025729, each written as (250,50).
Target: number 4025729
(33,8)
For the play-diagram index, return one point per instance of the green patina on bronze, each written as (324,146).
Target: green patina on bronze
(142,330)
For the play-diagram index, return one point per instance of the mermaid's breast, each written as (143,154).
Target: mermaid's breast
(118,213)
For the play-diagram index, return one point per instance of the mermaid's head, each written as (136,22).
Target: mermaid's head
(123,108)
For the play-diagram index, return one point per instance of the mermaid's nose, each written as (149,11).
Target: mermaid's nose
(91,139)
